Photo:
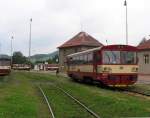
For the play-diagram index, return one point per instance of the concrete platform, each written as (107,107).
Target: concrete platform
(143,79)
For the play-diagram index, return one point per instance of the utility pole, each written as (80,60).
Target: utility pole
(0,46)
(81,26)
(106,42)
(30,40)
(125,4)
(11,50)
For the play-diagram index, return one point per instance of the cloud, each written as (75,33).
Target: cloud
(56,21)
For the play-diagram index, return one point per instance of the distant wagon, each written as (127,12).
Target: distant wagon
(112,65)
(21,67)
(46,67)
(51,67)
(5,65)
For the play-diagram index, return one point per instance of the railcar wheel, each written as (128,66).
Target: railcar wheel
(102,85)
(88,80)
(73,78)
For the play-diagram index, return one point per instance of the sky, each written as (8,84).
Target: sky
(56,21)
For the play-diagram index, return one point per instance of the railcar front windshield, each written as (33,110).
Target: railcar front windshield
(119,57)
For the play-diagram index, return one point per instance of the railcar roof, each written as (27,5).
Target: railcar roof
(127,47)
(86,51)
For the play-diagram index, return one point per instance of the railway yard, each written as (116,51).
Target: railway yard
(43,95)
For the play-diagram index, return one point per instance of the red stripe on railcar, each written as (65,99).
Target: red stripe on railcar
(106,78)
(4,71)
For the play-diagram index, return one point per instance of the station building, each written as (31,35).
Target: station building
(144,57)
(80,42)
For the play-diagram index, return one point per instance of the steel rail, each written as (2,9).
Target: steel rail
(48,104)
(77,101)
(137,92)
(133,91)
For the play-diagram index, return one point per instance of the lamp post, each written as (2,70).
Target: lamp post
(11,46)
(30,40)
(125,4)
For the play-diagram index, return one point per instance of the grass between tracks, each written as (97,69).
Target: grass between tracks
(106,103)
(20,98)
(62,105)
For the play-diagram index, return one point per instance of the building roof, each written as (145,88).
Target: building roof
(144,46)
(81,39)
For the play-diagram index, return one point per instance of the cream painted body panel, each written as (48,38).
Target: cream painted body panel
(114,69)
(5,67)
(118,68)
(82,68)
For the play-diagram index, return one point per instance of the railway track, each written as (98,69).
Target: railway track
(142,93)
(48,104)
(129,90)
(125,90)
(71,97)
(137,92)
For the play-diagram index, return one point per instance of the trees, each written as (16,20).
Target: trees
(19,58)
(54,60)
(143,41)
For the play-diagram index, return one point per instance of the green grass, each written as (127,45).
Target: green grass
(62,105)
(20,98)
(106,103)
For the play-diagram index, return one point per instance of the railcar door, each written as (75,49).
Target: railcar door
(96,59)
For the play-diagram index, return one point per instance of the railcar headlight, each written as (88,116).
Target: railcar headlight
(134,69)
(106,69)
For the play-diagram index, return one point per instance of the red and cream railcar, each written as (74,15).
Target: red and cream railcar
(111,65)
(5,66)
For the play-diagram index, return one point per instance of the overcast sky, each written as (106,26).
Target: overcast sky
(56,21)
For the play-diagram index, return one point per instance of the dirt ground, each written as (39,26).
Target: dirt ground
(143,79)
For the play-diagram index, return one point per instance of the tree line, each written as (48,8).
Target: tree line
(19,58)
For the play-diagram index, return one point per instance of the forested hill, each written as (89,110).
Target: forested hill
(4,56)
(43,57)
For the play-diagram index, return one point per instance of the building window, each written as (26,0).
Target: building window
(64,52)
(146,59)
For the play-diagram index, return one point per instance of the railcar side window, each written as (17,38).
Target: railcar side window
(90,58)
(74,60)
(98,57)
(81,59)
(77,60)
(85,58)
